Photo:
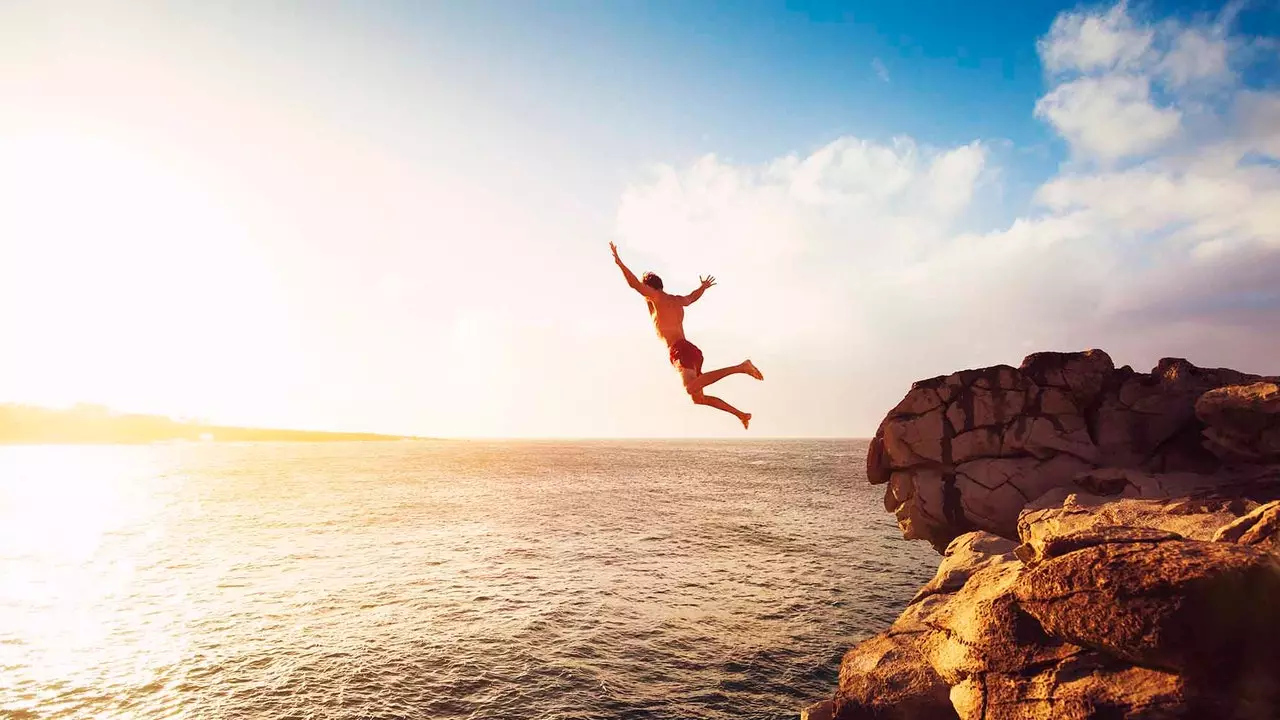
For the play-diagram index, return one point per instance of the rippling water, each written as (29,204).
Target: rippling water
(440,580)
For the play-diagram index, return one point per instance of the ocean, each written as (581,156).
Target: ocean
(451,579)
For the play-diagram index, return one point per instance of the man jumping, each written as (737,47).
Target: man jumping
(667,312)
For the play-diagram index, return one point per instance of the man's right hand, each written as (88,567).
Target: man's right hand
(707,281)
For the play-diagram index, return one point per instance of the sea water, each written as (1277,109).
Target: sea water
(452,579)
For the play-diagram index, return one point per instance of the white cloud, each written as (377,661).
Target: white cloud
(1107,70)
(1109,117)
(869,250)
(1196,54)
(881,71)
(1258,116)
(1090,42)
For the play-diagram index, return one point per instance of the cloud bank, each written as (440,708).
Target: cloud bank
(1158,236)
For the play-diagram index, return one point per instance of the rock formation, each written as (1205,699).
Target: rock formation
(969,450)
(1110,539)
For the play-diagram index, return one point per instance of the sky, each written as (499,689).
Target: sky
(395,216)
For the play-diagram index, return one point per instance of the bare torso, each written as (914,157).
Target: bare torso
(667,312)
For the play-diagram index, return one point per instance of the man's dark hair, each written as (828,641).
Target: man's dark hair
(652,281)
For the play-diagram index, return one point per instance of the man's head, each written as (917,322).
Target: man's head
(652,281)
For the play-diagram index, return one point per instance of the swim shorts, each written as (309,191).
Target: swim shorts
(687,356)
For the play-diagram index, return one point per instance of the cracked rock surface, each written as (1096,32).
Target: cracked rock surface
(1085,621)
(968,451)
(1243,421)
(1110,546)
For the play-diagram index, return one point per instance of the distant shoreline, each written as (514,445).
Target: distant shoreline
(96,425)
(14,442)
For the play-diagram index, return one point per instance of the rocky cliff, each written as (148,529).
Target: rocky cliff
(968,451)
(1110,540)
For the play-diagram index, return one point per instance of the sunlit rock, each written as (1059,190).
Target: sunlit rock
(1109,546)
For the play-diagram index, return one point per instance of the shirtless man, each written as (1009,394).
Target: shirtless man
(667,312)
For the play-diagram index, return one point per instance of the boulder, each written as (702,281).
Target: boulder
(965,556)
(1084,686)
(1260,528)
(887,678)
(1195,518)
(968,451)
(1041,547)
(824,710)
(1204,610)
(1242,422)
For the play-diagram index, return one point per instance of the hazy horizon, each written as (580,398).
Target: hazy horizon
(395,218)
(480,438)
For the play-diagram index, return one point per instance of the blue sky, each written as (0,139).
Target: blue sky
(752,80)
(611,86)
(629,83)
(394,216)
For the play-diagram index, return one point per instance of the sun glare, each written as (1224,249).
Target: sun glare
(58,502)
(135,282)
(66,567)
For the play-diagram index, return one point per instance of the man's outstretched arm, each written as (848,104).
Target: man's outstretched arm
(632,280)
(692,297)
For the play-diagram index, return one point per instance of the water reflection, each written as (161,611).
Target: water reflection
(77,623)
(449,580)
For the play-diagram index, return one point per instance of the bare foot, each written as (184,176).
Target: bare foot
(746,420)
(751,370)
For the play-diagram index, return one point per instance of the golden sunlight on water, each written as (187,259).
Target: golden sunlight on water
(65,595)
(450,580)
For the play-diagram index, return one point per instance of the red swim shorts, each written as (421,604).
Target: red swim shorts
(687,356)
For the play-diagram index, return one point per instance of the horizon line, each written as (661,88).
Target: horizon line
(443,439)
(398,436)
(648,437)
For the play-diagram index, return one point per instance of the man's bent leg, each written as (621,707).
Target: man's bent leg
(717,403)
(691,379)
(712,376)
